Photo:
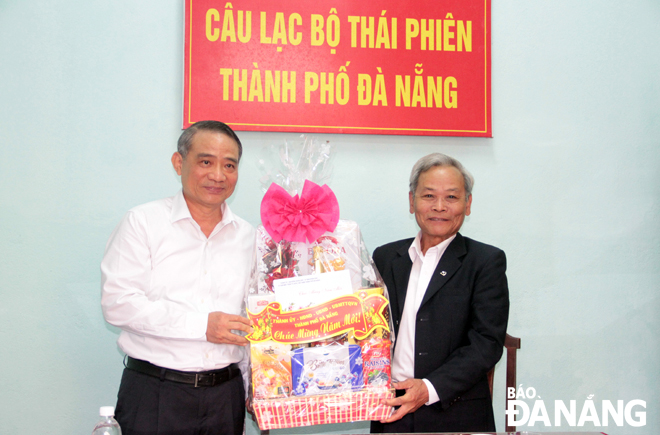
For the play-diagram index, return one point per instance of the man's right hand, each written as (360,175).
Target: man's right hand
(417,394)
(218,329)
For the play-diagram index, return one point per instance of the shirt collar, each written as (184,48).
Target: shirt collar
(179,208)
(180,211)
(227,216)
(415,250)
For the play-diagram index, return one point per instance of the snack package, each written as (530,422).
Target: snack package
(322,335)
(327,369)
(376,360)
(271,370)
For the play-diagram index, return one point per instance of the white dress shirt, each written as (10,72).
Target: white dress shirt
(161,277)
(403,362)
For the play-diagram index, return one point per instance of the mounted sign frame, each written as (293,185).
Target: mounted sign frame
(389,67)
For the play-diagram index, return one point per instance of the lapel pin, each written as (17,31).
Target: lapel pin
(443,273)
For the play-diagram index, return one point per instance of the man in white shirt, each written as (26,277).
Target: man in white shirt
(450,305)
(174,279)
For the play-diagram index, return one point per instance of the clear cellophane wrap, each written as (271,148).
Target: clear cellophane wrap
(320,352)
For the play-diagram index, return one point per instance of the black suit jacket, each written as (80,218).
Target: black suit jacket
(460,327)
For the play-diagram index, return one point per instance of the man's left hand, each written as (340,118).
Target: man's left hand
(416,395)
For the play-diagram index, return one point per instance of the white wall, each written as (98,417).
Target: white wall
(90,110)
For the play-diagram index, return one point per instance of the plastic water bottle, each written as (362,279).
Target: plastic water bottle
(107,425)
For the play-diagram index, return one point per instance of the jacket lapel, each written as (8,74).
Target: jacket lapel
(401,268)
(448,265)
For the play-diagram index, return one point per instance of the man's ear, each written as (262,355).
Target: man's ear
(177,162)
(412,202)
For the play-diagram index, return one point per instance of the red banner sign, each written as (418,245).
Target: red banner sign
(388,67)
(332,318)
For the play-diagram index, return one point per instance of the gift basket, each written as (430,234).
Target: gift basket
(321,342)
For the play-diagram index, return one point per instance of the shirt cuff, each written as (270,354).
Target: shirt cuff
(433,395)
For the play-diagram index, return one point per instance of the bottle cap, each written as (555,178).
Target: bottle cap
(107,411)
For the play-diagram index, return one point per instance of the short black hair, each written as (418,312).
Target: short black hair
(185,140)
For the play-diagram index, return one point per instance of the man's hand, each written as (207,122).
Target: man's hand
(218,329)
(416,395)
(249,406)
(248,402)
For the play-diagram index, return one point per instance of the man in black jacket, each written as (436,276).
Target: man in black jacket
(450,306)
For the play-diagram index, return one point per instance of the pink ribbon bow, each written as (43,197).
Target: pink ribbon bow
(299,219)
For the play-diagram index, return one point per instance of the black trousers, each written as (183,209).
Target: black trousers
(148,406)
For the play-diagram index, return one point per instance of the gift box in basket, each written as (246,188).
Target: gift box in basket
(321,341)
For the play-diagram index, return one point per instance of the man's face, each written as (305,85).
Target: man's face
(439,204)
(210,170)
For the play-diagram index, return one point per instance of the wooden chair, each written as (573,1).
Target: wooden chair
(512,344)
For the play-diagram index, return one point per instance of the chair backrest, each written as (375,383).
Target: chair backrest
(512,344)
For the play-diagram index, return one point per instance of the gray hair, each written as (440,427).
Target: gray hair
(185,140)
(439,159)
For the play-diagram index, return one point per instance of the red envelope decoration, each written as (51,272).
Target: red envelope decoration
(299,219)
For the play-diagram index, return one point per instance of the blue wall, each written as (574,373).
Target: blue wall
(90,110)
